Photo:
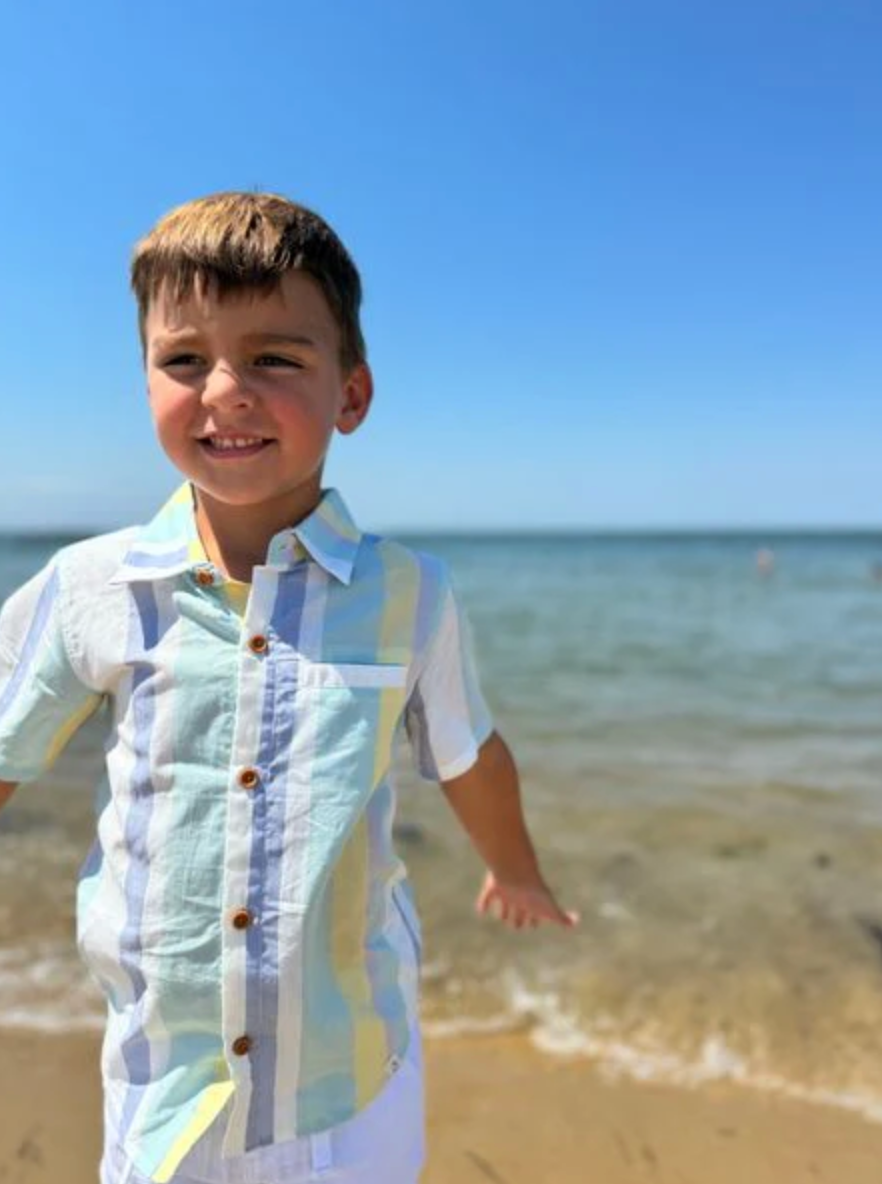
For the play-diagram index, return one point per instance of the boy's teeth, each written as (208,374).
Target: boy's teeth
(237,442)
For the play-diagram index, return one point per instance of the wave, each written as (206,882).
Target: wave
(556,1032)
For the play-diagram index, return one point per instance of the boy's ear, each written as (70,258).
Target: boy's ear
(358,390)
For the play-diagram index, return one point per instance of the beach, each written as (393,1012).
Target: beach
(499,1113)
(701,760)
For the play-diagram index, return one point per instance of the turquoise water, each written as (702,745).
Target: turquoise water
(701,752)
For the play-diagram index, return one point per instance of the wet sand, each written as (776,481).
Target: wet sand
(499,1113)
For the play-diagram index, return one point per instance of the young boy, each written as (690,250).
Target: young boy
(243,908)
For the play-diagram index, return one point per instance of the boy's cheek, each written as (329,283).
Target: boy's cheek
(170,408)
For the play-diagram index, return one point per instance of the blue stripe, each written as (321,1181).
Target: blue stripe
(277,727)
(430,605)
(32,641)
(418,733)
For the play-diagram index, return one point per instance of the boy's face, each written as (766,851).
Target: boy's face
(260,369)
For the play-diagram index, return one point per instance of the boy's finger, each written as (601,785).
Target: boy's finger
(561,916)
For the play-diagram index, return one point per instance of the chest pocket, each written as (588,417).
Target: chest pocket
(349,713)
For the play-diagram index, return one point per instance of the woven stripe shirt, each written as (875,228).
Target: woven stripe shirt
(237,903)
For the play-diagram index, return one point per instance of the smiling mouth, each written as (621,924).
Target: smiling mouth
(232,448)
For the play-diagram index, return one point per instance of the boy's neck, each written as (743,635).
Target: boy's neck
(236,538)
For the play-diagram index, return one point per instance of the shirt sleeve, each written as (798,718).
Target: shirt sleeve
(447,719)
(42,699)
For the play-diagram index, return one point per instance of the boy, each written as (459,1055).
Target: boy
(243,908)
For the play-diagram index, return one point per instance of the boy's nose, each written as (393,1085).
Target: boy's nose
(225,384)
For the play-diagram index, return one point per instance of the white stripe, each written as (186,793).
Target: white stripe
(165,547)
(335,674)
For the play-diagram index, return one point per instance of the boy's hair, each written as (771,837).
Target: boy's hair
(232,242)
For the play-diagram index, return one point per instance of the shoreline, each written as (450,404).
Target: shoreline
(499,1111)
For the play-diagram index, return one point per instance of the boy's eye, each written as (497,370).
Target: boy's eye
(276,360)
(181,360)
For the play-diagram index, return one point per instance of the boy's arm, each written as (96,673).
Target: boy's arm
(44,697)
(486,799)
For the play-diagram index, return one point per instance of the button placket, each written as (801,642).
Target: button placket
(242,903)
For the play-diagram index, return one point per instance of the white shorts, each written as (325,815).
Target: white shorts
(382,1144)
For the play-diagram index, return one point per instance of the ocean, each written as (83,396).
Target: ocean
(700,743)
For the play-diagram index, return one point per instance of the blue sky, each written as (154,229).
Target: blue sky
(621,258)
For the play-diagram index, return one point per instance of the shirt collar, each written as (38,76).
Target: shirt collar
(170,543)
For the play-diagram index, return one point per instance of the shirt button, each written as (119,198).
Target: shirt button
(249,778)
(204,577)
(241,1045)
(258,644)
(241,919)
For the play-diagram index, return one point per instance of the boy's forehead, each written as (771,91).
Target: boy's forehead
(295,303)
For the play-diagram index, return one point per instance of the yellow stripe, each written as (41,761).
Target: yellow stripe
(371,1049)
(67,729)
(337,521)
(401,598)
(349,919)
(349,885)
(370,1052)
(396,624)
(237,595)
(391,702)
(196,552)
(210,1105)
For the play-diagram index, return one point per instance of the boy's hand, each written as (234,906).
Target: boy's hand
(486,799)
(518,905)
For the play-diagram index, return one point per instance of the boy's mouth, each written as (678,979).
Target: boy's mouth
(233,447)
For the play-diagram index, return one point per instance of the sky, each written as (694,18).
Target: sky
(621,258)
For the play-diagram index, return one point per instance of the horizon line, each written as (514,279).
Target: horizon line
(586,531)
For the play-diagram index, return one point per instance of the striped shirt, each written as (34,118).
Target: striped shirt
(237,904)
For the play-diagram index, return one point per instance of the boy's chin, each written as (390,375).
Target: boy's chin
(255,494)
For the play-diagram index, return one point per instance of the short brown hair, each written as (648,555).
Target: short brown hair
(236,241)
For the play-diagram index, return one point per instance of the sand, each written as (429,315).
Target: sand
(499,1112)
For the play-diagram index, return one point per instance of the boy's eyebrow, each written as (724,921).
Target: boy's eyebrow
(282,338)
(176,339)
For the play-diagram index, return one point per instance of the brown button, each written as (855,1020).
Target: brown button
(249,778)
(258,644)
(204,576)
(241,919)
(241,1045)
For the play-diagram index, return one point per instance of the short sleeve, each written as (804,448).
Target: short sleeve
(447,719)
(42,700)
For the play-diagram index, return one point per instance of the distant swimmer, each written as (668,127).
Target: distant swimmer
(765,561)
